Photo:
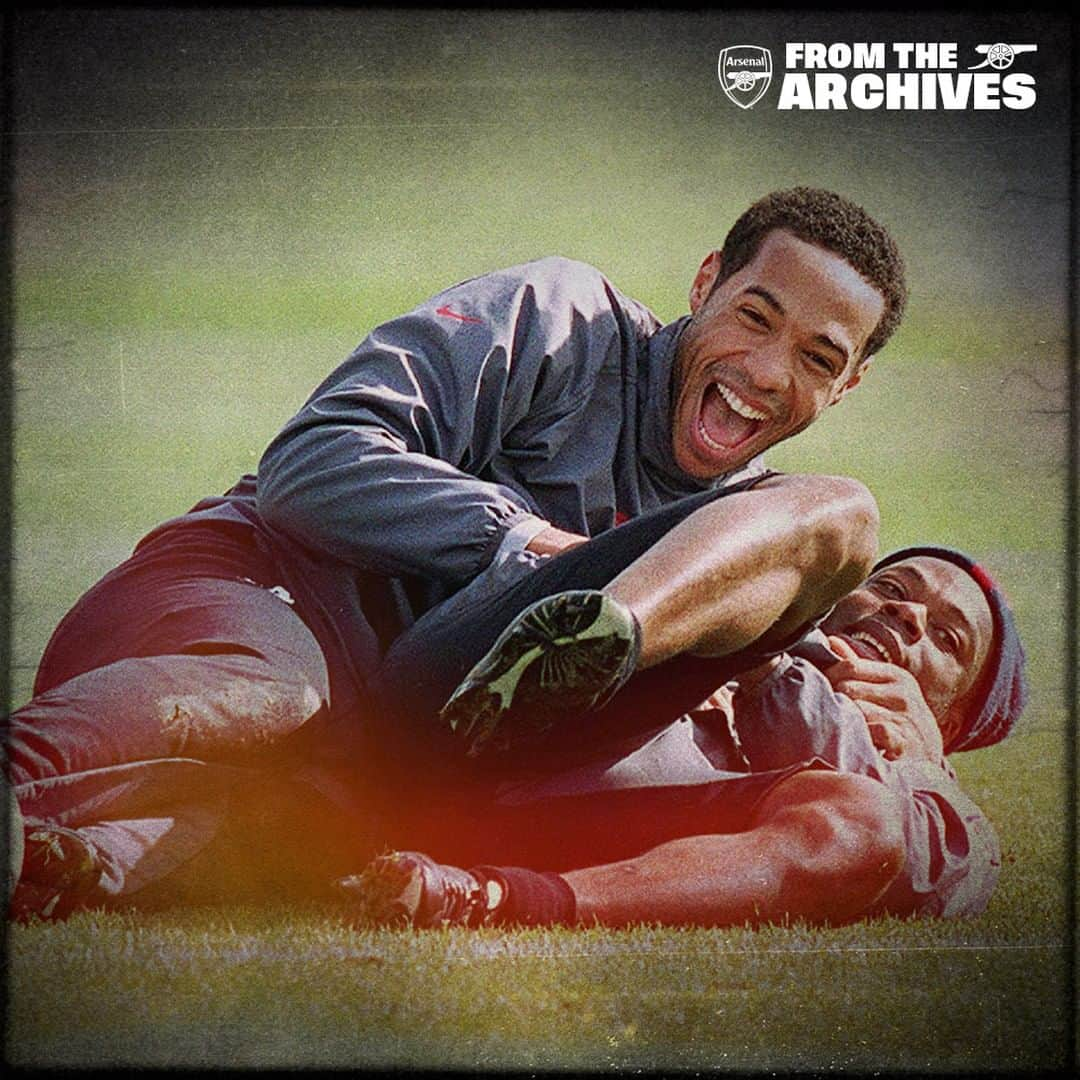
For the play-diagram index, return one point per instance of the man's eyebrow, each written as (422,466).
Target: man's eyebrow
(965,631)
(774,303)
(768,297)
(953,615)
(824,339)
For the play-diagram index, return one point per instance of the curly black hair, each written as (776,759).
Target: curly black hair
(836,224)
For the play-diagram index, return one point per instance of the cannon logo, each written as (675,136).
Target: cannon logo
(1001,55)
(745,73)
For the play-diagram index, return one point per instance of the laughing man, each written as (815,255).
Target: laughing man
(816,788)
(470,459)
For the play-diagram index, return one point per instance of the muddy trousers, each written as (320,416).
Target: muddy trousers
(181,717)
(169,726)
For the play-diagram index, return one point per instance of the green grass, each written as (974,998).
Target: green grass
(281,987)
(210,214)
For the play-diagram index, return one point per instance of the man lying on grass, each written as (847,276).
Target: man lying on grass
(250,705)
(815,787)
(519,435)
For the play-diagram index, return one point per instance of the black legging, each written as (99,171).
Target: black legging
(426,663)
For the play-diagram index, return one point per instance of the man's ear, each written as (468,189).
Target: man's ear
(705,279)
(853,380)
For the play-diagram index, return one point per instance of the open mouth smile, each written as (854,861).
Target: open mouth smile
(726,421)
(869,647)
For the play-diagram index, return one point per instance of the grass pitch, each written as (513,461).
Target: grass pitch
(213,207)
(287,988)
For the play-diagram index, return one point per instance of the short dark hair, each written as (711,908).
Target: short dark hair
(832,222)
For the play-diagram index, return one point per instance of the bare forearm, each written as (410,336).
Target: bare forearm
(718,880)
(825,847)
(553,541)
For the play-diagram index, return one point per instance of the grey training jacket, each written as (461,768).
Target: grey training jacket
(530,395)
(452,434)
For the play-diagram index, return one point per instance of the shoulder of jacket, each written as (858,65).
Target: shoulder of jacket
(560,274)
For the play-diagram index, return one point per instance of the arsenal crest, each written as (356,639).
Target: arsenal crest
(745,73)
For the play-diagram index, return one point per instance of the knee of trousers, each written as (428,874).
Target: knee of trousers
(242,704)
(211,707)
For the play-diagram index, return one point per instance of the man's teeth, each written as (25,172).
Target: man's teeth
(710,442)
(736,404)
(874,644)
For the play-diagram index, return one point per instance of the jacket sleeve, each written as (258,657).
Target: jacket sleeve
(387,466)
(952,856)
(793,715)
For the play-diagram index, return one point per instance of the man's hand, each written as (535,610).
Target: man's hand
(551,541)
(900,722)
